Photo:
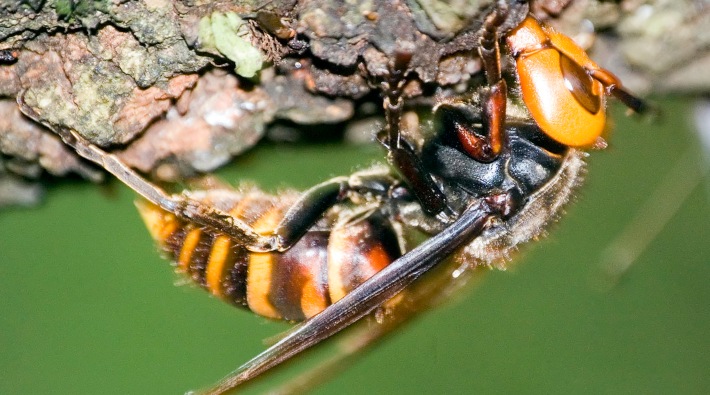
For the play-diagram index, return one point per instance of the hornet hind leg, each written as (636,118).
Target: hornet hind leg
(298,219)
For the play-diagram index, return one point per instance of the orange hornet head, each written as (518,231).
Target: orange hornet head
(563,89)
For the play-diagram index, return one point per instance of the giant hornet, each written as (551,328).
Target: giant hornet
(487,179)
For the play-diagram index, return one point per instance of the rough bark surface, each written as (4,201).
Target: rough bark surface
(178,87)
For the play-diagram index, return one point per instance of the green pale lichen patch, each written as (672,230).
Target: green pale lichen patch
(70,9)
(99,91)
(228,34)
(444,17)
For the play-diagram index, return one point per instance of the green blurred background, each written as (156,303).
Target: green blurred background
(88,306)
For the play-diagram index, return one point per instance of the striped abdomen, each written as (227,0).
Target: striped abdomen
(323,266)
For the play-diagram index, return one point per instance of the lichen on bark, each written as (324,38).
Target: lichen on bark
(147,78)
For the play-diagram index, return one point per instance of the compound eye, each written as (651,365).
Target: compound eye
(580,84)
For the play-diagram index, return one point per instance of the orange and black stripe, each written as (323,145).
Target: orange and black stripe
(318,270)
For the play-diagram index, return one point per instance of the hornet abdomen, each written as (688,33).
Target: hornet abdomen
(329,261)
